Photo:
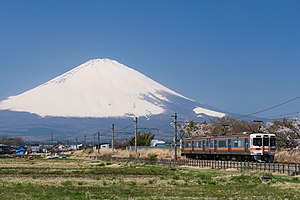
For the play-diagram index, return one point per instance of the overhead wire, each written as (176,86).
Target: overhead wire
(282,115)
(269,108)
(126,127)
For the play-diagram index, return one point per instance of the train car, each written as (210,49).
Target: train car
(242,147)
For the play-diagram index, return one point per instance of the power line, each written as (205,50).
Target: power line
(270,108)
(281,115)
(126,127)
(118,133)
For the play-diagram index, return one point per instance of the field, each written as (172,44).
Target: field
(95,179)
(280,156)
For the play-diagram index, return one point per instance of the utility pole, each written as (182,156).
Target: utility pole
(98,134)
(85,142)
(135,133)
(94,139)
(175,136)
(113,137)
(76,143)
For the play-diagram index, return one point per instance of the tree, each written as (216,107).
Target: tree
(230,126)
(287,132)
(222,126)
(143,139)
(11,140)
(193,128)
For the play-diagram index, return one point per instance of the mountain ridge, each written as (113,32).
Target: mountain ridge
(123,92)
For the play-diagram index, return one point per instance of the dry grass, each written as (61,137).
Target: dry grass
(287,156)
(84,181)
(139,181)
(143,153)
(280,156)
(44,163)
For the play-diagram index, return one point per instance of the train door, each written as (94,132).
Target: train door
(229,146)
(211,146)
(207,146)
(203,145)
(193,146)
(246,145)
(265,145)
(215,146)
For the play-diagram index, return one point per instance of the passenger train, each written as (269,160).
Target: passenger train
(242,147)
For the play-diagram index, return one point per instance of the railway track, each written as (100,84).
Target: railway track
(290,168)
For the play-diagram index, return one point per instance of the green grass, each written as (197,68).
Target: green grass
(140,181)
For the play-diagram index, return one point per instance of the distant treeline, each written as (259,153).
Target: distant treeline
(10,140)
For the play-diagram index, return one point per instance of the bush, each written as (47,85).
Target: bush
(88,151)
(67,183)
(151,158)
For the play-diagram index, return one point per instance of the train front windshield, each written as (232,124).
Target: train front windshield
(257,142)
(264,141)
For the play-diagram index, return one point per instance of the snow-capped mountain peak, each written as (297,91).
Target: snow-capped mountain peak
(99,88)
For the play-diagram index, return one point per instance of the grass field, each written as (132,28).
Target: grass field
(95,179)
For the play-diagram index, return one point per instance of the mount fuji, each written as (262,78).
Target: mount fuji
(98,90)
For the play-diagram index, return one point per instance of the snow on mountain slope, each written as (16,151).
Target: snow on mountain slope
(208,112)
(99,88)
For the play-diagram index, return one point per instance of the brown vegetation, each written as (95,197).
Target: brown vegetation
(143,153)
(10,140)
(280,156)
(287,156)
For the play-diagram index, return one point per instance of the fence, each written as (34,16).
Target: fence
(292,169)
(132,148)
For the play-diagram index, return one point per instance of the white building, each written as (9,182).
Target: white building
(155,143)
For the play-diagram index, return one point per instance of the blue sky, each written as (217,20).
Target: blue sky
(240,56)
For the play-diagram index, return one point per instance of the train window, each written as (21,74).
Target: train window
(211,144)
(198,144)
(257,142)
(222,143)
(266,141)
(238,143)
(273,141)
(187,144)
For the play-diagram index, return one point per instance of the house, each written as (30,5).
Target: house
(5,149)
(21,150)
(59,147)
(157,143)
(102,146)
(76,146)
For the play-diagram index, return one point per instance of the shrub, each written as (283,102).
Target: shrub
(100,165)
(67,183)
(151,158)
